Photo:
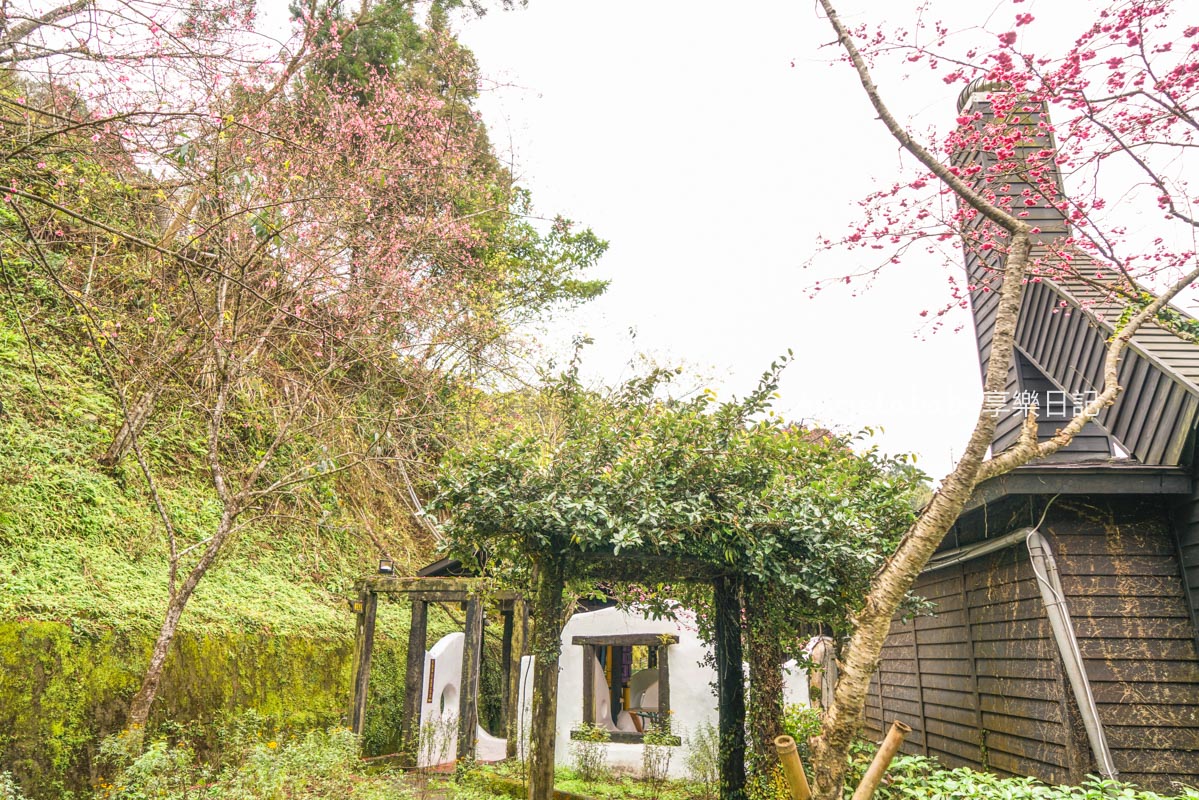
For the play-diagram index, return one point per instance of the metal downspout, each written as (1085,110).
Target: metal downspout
(1054,599)
(1045,568)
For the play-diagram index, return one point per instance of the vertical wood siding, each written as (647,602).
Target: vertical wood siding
(989,668)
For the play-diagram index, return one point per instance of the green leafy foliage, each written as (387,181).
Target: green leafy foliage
(9,790)
(801,723)
(316,764)
(589,752)
(657,751)
(725,486)
(703,759)
(920,777)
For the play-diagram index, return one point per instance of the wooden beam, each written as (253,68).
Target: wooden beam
(414,688)
(730,689)
(387,584)
(627,639)
(453,598)
(628,737)
(364,646)
(520,647)
(359,606)
(468,699)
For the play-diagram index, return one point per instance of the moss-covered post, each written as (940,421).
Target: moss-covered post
(730,687)
(518,648)
(547,645)
(765,656)
(472,654)
(414,681)
(364,644)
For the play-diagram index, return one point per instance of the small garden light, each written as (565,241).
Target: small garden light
(386,566)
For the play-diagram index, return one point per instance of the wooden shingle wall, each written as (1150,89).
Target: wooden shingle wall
(992,689)
(1186,524)
(981,681)
(1135,632)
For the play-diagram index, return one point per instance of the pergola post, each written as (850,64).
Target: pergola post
(518,647)
(468,699)
(413,688)
(730,686)
(589,684)
(764,654)
(547,647)
(364,642)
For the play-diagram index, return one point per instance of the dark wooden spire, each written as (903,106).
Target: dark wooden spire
(1065,320)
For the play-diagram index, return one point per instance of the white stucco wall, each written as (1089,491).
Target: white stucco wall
(440,703)
(692,697)
(692,690)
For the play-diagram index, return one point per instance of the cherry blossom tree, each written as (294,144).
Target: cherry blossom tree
(297,266)
(1123,95)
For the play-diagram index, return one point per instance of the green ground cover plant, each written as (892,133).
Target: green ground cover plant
(920,777)
(249,764)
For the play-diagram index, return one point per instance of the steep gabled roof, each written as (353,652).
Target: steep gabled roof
(1061,342)
(1061,337)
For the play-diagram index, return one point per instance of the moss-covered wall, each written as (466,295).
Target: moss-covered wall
(62,691)
(63,688)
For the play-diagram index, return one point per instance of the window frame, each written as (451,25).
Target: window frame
(590,645)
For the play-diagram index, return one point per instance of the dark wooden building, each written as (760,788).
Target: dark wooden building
(986,681)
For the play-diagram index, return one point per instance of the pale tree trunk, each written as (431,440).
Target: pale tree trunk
(131,427)
(860,657)
(11,37)
(139,708)
(234,498)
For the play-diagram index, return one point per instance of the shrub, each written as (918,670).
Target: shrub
(8,787)
(703,759)
(801,723)
(656,754)
(916,776)
(590,752)
(318,764)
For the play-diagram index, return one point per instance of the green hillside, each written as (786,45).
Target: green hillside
(83,545)
(83,577)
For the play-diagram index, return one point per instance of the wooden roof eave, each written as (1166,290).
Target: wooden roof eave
(1096,478)
(1155,416)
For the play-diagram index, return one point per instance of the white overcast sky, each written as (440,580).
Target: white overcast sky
(711,143)
(681,132)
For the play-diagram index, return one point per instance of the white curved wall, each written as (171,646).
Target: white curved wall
(692,692)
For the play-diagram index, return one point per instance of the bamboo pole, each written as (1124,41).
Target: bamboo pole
(792,768)
(882,760)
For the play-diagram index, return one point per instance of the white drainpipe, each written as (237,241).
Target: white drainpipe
(1045,568)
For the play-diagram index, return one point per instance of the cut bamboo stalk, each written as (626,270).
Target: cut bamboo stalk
(792,768)
(882,760)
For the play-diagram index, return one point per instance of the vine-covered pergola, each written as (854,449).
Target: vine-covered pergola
(781,521)
(548,603)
